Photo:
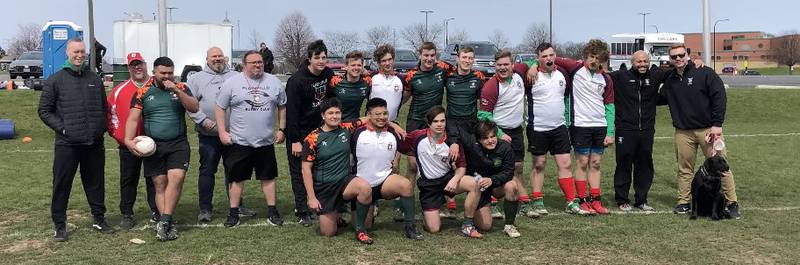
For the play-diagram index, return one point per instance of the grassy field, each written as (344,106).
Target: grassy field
(783,70)
(762,129)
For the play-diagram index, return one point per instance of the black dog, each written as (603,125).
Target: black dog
(707,198)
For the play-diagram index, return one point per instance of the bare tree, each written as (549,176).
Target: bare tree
(570,49)
(340,43)
(292,37)
(379,35)
(499,39)
(254,39)
(534,35)
(457,36)
(787,50)
(415,34)
(28,38)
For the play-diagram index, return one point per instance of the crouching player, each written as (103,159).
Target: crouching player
(439,174)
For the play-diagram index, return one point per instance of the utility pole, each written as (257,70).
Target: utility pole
(171,18)
(644,21)
(445,29)
(714,44)
(551,21)
(706,32)
(162,28)
(90,42)
(426,23)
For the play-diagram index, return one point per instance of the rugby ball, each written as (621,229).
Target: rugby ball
(145,145)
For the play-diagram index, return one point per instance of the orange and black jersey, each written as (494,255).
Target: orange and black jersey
(350,94)
(427,88)
(330,152)
(463,92)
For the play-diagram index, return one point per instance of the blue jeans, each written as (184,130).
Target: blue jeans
(210,154)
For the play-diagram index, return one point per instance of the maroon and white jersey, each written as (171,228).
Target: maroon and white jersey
(373,153)
(433,160)
(590,92)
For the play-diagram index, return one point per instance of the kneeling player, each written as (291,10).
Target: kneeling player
(437,176)
(493,163)
(327,180)
(375,152)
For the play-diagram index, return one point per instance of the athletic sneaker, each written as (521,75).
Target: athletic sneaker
(412,233)
(154,217)
(448,213)
(162,229)
(340,222)
(586,206)
(172,232)
(470,231)
(527,210)
(127,222)
(363,238)
(60,233)
(575,208)
(245,212)
(497,213)
(101,225)
(681,209)
(538,206)
(511,231)
(398,215)
(646,208)
(625,207)
(232,221)
(733,211)
(275,219)
(204,216)
(304,220)
(375,211)
(597,205)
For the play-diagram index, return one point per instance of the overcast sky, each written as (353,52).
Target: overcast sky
(573,20)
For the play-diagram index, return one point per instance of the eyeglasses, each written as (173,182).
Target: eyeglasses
(255,63)
(676,56)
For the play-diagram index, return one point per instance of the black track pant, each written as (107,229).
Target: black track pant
(91,159)
(634,155)
(129,172)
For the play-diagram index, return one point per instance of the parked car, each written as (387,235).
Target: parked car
(29,64)
(336,63)
(405,60)
(484,55)
(524,57)
(751,72)
(728,70)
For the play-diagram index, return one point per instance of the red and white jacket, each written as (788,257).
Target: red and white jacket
(119,105)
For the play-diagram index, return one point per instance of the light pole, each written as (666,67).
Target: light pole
(551,22)
(714,40)
(644,20)
(655,27)
(445,29)
(426,23)
(170,13)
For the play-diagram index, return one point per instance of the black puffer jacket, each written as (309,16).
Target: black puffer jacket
(74,105)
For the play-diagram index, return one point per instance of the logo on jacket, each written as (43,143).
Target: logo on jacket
(690,80)
(647,81)
(497,162)
(561,83)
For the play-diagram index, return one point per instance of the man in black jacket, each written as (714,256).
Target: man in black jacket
(305,90)
(266,55)
(696,98)
(73,105)
(635,98)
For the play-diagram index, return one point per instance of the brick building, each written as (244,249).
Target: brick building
(753,49)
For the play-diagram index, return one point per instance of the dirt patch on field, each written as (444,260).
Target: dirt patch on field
(26,245)
(10,218)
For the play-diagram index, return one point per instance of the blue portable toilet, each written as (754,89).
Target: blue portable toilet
(55,35)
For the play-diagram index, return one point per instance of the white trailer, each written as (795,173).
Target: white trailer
(187,41)
(656,44)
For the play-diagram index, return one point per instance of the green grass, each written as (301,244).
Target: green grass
(782,70)
(766,177)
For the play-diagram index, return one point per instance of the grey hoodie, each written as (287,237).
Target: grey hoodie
(205,87)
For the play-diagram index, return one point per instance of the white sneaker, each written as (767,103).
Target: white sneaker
(511,231)
(646,208)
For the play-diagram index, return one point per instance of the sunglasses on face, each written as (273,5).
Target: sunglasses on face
(676,56)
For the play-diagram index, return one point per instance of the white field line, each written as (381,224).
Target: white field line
(559,214)
(283,145)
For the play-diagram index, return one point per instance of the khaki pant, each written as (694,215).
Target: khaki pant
(686,144)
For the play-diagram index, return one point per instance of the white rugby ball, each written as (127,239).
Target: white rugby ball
(145,145)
